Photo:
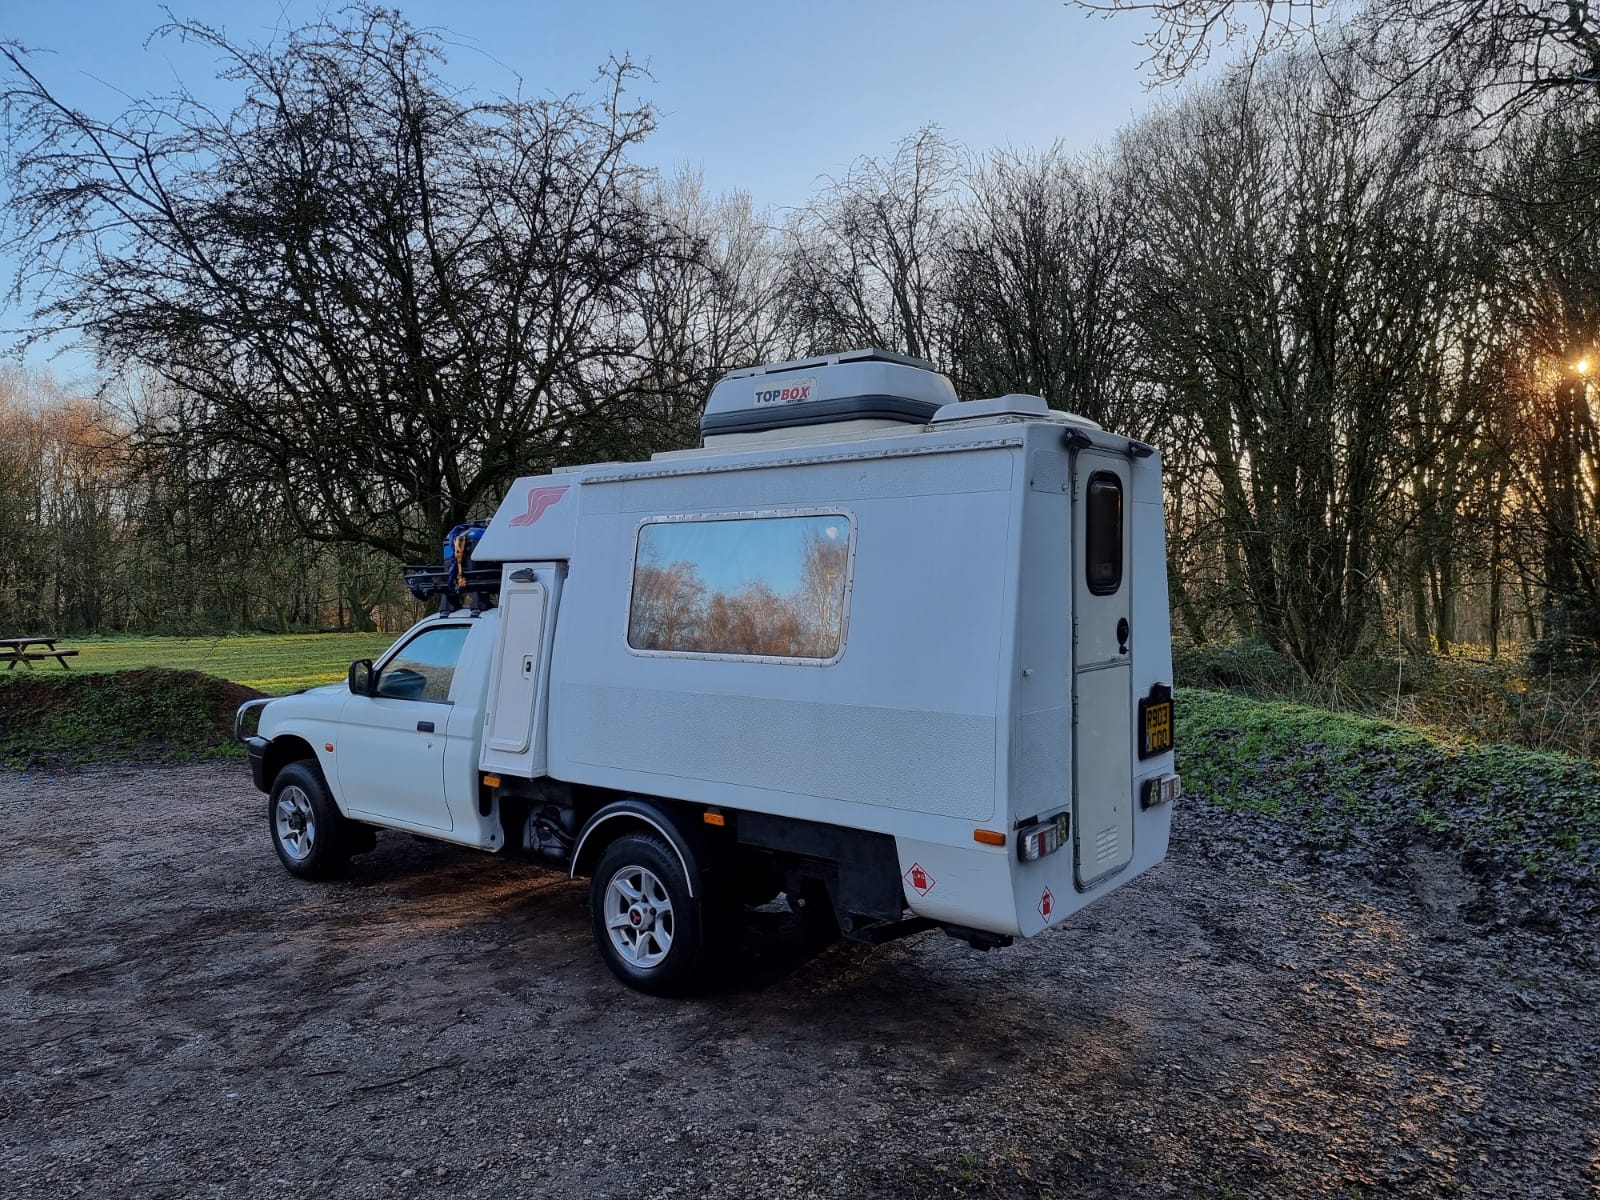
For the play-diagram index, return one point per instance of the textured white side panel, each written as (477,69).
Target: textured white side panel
(1041,765)
(537,520)
(1044,761)
(931,762)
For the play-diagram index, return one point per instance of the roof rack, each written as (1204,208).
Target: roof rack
(452,588)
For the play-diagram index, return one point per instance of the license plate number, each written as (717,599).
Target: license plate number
(1157,733)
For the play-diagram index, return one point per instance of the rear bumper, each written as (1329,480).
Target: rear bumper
(256,747)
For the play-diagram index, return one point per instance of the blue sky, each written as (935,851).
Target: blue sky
(762,97)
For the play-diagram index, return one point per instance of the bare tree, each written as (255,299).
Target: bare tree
(65,506)
(389,299)
(1489,56)
(865,259)
(1547,424)
(710,302)
(1036,289)
(1296,262)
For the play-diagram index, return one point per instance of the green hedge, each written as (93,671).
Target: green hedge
(148,714)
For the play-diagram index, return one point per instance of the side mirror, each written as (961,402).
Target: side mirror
(363,680)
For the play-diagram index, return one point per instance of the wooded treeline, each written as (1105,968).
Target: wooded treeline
(348,313)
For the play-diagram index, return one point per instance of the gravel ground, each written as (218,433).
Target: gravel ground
(182,1018)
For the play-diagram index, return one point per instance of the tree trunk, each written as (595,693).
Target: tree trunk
(1419,599)
(1494,575)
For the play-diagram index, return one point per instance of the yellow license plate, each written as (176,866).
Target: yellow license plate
(1157,727)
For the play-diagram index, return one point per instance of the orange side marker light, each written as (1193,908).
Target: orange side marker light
(714,818)
(989,837)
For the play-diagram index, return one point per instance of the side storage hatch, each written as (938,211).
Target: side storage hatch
(512,726)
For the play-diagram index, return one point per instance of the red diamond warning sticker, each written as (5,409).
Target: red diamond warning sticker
(1047,904)
(919,880)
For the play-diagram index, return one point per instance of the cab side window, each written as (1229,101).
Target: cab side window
(425,665)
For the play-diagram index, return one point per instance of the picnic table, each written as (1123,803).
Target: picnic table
(29,650)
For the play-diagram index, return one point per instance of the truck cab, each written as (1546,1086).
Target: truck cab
(398,745)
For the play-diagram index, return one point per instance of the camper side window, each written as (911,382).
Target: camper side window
(1103,522)
(762,587)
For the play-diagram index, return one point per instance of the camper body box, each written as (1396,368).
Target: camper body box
(948,705)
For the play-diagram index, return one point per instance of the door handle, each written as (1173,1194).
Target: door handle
(424,726)
(1122,636)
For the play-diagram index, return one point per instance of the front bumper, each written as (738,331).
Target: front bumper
(245,724)
(256,747)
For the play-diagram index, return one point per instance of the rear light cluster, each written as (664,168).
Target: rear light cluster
(1035,841)
(1163,789)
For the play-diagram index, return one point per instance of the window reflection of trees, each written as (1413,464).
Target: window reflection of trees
(675,609)
(424,668)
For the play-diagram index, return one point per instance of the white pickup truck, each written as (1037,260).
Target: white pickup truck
(900,658)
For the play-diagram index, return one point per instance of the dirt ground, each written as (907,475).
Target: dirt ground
(182,1018)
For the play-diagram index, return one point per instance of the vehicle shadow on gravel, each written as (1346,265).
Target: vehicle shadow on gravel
(768,945)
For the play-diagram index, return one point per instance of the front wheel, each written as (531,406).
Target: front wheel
(649,930)
(312,838)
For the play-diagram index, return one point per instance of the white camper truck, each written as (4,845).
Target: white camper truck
(901,658)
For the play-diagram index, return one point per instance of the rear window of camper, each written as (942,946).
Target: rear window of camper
(748,587)
(1103,558)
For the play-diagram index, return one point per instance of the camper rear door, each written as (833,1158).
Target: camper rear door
(1102,673)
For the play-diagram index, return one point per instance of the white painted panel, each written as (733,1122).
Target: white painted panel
(536,520)
(391,756)
(514,691)
(1041,768)
(910,719)
(931,762)
(1043,771)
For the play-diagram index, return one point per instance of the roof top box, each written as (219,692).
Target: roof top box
(857,385)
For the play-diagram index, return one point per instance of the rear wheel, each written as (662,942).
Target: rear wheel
(650,931)
(312,838)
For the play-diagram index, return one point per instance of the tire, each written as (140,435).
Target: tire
(649,930)
(313,839)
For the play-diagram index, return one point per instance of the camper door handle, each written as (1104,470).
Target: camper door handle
(424,726)
(1122,636)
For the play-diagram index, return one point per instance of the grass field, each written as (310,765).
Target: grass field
(269,663)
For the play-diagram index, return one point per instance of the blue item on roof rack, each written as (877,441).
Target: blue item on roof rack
(457,577)
(458,546)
